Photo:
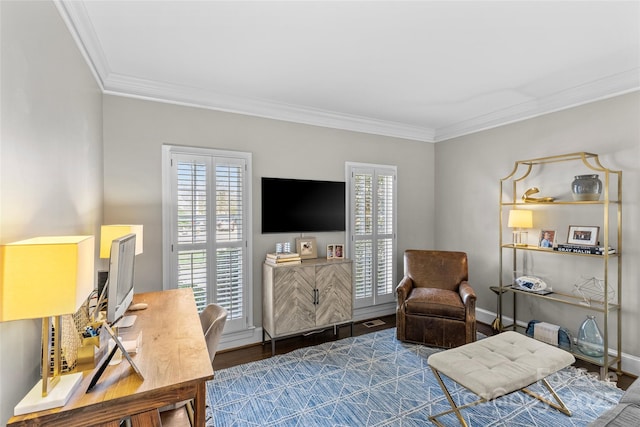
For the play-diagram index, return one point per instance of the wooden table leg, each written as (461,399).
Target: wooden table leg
(200,404)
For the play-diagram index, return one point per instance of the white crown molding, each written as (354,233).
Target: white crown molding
(597,90)
(590,92)
(77,20)
(134,87)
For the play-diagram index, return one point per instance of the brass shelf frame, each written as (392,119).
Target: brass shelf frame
(609,201)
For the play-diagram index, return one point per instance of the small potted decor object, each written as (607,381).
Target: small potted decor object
(586,187)
(590,341)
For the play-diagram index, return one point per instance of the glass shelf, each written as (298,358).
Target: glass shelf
(564,298)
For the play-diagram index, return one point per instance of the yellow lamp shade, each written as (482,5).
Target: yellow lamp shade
(110,232)
(520,218)
(45,276)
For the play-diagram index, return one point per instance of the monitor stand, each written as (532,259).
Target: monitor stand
(126,321)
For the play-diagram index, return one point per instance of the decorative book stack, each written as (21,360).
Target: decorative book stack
(283,258)
(582,249)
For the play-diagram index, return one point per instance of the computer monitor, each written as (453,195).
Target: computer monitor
(120,280)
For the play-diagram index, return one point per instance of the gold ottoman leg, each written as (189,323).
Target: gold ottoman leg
(560,406)
(454,407)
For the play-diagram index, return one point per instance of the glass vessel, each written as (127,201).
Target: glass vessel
(586,187)
(590,341)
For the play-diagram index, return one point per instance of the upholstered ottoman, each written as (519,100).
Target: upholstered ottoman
(499,365)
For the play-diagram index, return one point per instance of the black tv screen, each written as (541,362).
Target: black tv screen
(298,206)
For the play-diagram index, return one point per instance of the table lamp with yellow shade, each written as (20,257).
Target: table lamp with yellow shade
(520,220)
(46,277)
(110,232)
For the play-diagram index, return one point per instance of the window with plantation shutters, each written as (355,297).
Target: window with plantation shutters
(208,246)
(372,231)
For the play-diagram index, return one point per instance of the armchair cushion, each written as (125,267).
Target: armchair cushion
(435,302)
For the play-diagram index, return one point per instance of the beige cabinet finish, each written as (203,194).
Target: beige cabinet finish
(299,298)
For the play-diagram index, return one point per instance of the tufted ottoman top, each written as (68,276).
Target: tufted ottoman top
(500,364)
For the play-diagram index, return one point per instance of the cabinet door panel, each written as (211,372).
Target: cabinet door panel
(293,299)
(335,303)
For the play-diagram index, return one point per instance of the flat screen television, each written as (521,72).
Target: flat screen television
(120,280)
(299,206)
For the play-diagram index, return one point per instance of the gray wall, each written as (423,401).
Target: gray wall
(468,171)
(135,130)
(50,159)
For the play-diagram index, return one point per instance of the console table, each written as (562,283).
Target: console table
(310,296)
(173,359)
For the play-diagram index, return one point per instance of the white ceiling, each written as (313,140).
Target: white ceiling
(423,70)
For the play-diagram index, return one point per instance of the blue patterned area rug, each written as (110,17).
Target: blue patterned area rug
(375,380)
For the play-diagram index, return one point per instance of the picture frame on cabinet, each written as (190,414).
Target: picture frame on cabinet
(335,251)
(330,249)
(338,251)
(583,235)
(547,239)
(307,247)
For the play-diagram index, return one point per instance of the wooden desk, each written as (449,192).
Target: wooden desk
(173,360)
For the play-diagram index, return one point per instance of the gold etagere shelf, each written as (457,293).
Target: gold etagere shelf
(611,204)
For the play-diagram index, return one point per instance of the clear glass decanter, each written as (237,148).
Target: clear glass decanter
(590,341)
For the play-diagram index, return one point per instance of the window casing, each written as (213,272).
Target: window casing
(372,232)
(207,229)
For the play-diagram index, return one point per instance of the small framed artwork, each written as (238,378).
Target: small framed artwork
(338,251)
(547,239)
(330,249)
(306,247)
(583,235)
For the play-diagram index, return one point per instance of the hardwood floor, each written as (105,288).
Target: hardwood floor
(228,358)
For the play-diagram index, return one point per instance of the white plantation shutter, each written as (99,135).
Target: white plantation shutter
(191,211)
(229,234)
(385,221)
(372,229)
(209,243)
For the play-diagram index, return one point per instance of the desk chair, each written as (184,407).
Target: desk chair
(212,318)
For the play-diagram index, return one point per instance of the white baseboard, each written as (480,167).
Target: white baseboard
(241,339)
(485,316)
(367,313)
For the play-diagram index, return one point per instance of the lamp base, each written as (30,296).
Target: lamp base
(58,396)
(520,238)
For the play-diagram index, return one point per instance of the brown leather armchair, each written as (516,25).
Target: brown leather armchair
(436,304)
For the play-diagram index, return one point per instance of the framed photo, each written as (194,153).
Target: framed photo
(306,247)
(330,249)
(547,239)
(583,235)
(338,251)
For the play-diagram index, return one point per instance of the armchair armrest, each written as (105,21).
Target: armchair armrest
(403,289)
(467,294)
